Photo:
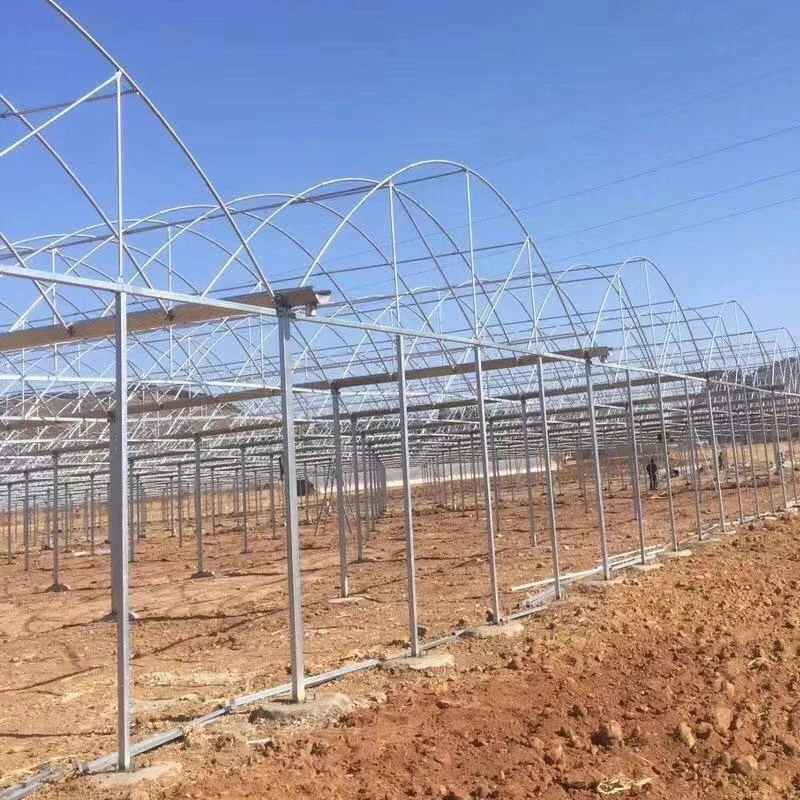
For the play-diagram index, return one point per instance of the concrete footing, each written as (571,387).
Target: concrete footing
(351,599)
(647,567)
(121,781)
(318,707)
(510,630)
(421,663)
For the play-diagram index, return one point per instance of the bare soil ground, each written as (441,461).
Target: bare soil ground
(514,719)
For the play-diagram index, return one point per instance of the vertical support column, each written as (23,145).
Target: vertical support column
(290,501)
(496,471)
(598,479)
(9,528)
(528,480)
(33,537)
(131,504)
(367,462)
(143,508)
(791,444)
(637,497)
(693,458)
(198,512)
(373,487)
(67,520)
(213,496)
(237,489)
(47,515)
(356,493)
(26,522)
(272,509)
(118,533)
(715,453)
(751,452)
(92,515)
(461,476)
(474,461)
(243,479)
(548,480)
(778,453)
(766,451)
(180,505)
(487,490)
(673,532)
(56,537)
(172,505)
(452,480)
(340,515)
(582,469)
(307,495)
(408,519)
(735,454)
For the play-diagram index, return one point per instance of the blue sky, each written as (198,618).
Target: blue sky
(546,99)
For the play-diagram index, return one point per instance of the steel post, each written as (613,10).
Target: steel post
(243,502)
(408,519)
(56,537)
(26,524)
(660,395)
(290,502)
(735,454)
(356,493)
(198,512)
(693,457)
(487,490)
(548,480)
(598,479)
(528,478)
(340,512)
(93,515)
(365,458)
(118,533)
(272,509)
(766,451)
(778,453)
(180,505)
(715,454)
(9,528)
(791,444)
(637,496)
(751,453)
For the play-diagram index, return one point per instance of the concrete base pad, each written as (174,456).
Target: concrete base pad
(324,706)
(647,567)
(204,574)
(349,600)
(420,663)
(511,630)
(125,780)
(676,554)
